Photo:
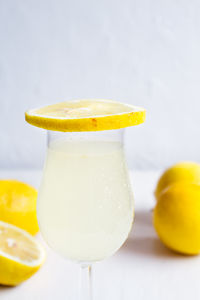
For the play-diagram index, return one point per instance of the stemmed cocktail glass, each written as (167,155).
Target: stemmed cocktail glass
(85,205)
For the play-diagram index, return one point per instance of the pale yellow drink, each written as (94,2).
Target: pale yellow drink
(85,205)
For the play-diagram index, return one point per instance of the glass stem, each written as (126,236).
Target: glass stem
(85,290)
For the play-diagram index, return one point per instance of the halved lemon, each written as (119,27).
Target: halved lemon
(86,115)
(20,254)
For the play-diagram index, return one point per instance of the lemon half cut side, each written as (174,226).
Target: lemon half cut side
(86,115)
(21,255)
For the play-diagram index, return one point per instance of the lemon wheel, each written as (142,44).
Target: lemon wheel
(86,115)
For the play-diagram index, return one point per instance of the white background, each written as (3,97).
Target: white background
(142,52)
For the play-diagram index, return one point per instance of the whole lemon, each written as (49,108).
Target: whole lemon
(176,217)
(18,205)
(182,171)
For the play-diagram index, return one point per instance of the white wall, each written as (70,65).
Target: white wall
(137,51)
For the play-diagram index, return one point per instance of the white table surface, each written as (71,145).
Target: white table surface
(143,269)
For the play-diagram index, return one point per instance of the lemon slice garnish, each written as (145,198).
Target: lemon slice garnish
(20,254)
(86,115)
